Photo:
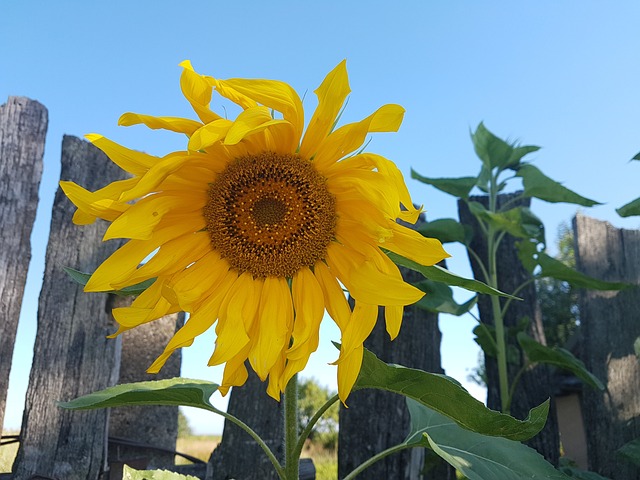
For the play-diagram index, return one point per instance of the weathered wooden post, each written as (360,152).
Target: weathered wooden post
(72,355)
(609,324)
(536,384)
(23,126)
(151,425)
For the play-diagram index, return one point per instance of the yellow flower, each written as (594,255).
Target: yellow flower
(257,227)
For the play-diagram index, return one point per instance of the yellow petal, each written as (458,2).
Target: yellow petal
(415,246)
(331,94)
(199,322)
(116,270)
(174,256)
(194,283)
(142,218)
(173,124)
(148,306)
(308,303)
(334,297)
(99,204)
(235,373)
(385,169)
(348,138)
(129,160)
(230,93)
(276,379)
(197,90)
(156,175)
(360,325)
(250,121)
(275,317)
(236,317)
(393,319)
(209,134)
(367,283)
(272,94)
(348,370)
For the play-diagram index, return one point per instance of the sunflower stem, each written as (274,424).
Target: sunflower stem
(291,459)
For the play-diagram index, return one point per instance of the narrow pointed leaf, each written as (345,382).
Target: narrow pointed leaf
(630,209)
(477,456)
(446,230)
(458,187)
(636,156)
(83,278)
(173,391)
(447,397)
(554,268)
(538,185)
(439,274)
(439,298)
(559,357)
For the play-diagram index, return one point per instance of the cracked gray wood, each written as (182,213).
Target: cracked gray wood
(23,127)
(609,324)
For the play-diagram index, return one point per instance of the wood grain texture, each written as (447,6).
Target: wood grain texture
(72,355)
(536,385)
(610,322)
(23,127)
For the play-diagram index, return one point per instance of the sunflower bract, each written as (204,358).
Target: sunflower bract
(255,227)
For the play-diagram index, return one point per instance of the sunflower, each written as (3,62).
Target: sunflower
(256,228)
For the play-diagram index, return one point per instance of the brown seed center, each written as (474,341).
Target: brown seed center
(270,214)
(268,211)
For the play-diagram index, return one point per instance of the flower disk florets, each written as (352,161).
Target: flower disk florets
(270,214)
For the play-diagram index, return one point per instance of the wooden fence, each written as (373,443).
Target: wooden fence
(72,357)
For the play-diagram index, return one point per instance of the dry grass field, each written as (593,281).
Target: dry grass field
(201,446)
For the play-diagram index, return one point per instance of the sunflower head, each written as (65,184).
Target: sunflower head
(255,229)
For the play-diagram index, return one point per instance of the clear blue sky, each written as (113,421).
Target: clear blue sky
(562,75)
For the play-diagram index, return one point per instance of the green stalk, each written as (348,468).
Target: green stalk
(492,250)
(291,458)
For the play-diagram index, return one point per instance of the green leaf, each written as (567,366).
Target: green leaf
(439,298)
(478,457)
(130,474)
(493,151)
(636,157)
(485,338)
(458,187)
(631,451)
(630,209)
(446,230)
(520,222)
(439,274)
(447,397)
(174,391)
(554,268)
(538,353)
(636,347)
(83,278)
(538,185)
(528,254)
